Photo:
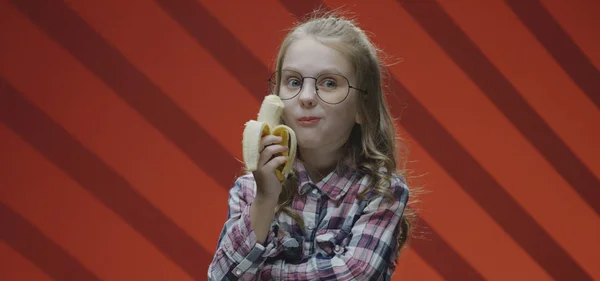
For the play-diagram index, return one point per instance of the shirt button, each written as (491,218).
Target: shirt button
(238,272)
(338,249)
(315,191)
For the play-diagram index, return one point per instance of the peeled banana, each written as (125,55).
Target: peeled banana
(268,123)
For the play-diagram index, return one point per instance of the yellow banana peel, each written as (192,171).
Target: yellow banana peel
(268,123)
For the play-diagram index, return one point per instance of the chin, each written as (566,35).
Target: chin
(310,142)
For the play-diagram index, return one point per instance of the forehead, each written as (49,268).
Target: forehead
(310,58)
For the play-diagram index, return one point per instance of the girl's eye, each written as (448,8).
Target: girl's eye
(329,84)
(294,83)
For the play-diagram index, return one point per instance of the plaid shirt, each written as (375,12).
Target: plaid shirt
(343,238)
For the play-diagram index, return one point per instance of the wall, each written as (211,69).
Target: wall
(121,122)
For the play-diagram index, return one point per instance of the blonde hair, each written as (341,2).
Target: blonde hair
(373,145)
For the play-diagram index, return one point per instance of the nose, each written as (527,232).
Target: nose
(308,93)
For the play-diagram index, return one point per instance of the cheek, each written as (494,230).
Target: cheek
(285,116)
(345,117)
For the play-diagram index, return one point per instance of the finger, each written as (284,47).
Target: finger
(269,152)
(275,162)
(269,140)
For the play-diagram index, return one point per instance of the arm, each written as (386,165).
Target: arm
(239,254)
(368,254)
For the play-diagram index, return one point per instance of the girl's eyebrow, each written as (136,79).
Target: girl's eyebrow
(332,70)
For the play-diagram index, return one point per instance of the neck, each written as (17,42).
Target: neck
(319,162)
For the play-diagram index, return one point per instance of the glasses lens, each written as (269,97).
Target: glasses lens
(333,88)
(286,84)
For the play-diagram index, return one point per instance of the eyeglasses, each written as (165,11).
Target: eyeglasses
(330,88)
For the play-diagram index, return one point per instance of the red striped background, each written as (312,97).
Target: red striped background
(121,124)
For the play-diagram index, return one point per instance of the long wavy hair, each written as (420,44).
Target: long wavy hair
(372,145)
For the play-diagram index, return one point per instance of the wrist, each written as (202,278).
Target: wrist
(266,200)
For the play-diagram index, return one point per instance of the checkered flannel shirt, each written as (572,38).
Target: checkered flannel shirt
(343,238)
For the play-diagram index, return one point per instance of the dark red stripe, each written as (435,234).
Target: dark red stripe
(65,152)
(438,24)
(559,44)
(478,183)
(67,28)
(435,248)
(39,249)
(241,63)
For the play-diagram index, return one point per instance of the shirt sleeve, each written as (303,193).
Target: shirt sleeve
(368,256)
(239,255)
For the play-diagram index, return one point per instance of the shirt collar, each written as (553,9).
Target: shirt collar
(334,185)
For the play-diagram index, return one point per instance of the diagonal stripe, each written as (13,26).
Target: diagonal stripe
(579,20)
(52,141)
(75,35)
(560,45)
(435,248)
(15,266)
(472,176)
(411,266)
(39,249)
(213,36)
(436,22)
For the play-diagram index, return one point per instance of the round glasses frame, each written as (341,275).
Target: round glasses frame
(273,83)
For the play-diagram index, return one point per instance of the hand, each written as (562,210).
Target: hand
(267,184)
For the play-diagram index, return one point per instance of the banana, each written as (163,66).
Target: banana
(268,123)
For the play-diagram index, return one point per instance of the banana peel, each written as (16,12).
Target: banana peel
(268,123)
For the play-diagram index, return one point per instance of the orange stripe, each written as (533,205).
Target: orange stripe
(16,267)
(75,220)
(121,138)
(178,65)
(480,128)
(508,44)
(580,20)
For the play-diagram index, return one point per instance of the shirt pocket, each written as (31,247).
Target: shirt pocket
(290,245)
(331,242)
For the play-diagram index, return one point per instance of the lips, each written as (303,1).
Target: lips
(308,118)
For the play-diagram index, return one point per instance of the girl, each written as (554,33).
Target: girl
(340,215)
